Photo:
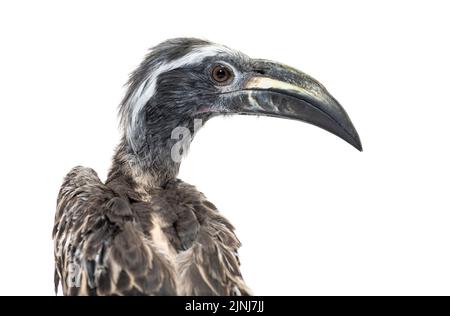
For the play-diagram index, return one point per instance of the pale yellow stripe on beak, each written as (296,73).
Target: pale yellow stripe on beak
(269,83)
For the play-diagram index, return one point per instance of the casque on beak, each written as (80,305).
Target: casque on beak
(281,91)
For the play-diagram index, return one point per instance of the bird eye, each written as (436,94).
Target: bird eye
(221,74)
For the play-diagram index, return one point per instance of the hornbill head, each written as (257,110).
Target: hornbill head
(184,79)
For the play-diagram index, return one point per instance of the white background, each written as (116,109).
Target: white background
(314,215)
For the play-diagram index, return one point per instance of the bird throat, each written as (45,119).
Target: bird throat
(152,167)
(155,160)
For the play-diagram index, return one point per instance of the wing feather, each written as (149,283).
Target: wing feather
(100,247)
(210,265)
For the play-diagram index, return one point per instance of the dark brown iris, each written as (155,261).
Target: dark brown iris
(222,74)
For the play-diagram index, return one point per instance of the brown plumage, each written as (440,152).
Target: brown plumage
(112,240)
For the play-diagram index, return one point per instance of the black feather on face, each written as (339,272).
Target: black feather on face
(181,73)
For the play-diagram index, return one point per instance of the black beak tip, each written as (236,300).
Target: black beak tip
(359,146)
(356,142)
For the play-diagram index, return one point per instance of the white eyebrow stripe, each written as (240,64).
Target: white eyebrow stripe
(147,88)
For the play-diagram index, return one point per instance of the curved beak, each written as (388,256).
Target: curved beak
(280,91)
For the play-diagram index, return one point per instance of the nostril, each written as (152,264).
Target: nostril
(260,71)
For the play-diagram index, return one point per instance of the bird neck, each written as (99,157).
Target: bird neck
(146,169)
(151,156)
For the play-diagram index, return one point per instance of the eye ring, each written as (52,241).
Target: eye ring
(221,74)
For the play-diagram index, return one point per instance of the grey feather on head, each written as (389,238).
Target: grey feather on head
(168,90)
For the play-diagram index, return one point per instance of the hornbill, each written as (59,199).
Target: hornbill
(145,232)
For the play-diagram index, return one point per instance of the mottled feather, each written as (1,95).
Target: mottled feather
(174,242)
